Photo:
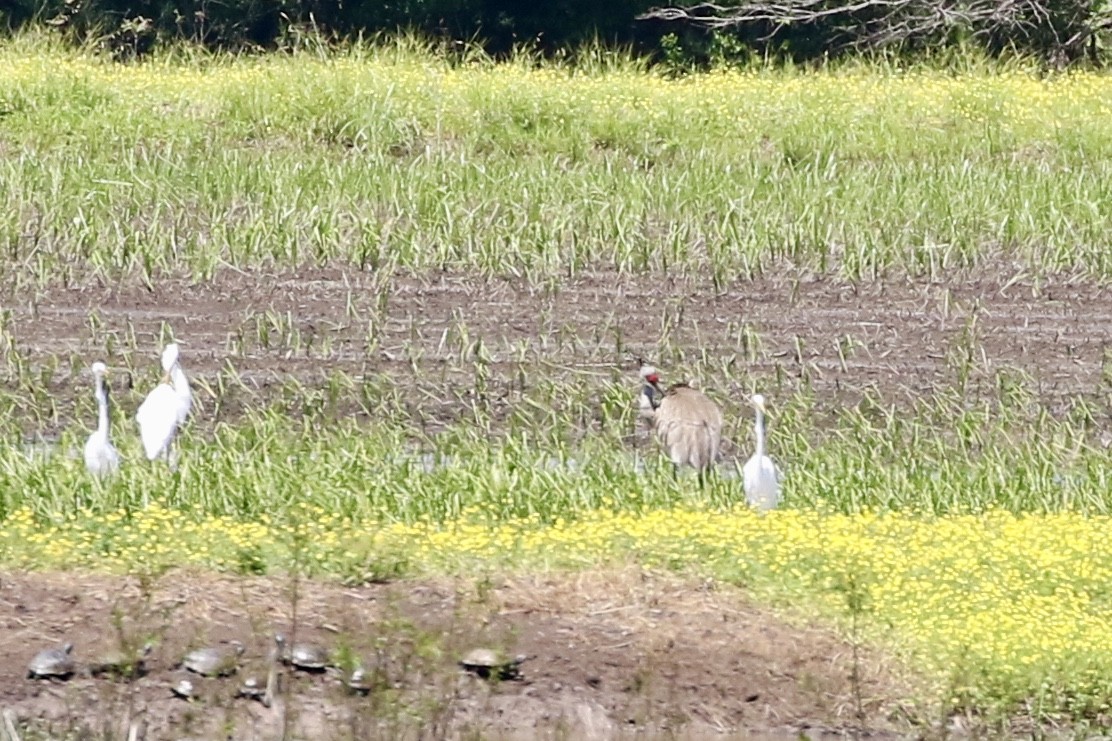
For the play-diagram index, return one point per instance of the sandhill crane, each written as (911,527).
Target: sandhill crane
(101,457)
(687,423)
(760,475)
(165,408)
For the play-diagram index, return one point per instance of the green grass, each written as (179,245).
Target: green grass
(384,157)
(942,459)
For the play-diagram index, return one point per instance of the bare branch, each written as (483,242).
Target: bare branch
(1055,26)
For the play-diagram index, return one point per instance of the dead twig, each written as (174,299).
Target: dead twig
(1055,27)
(10,732)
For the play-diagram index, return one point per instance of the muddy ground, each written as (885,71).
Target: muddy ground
(247,335)
(625,653)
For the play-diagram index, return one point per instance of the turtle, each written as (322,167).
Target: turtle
(120,664)
(491,664)
(252,689)
(52,663)
(214,661)
(304,656)
(358,682)
(184,689)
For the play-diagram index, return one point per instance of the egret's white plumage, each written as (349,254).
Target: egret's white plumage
(760,475)
(165,408)
(101,457)
(178,381)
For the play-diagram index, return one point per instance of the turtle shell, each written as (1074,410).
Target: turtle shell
(184,689)
(305,656)
(213,661)
(358,682)
(252,689)
(489,663)
(52,663)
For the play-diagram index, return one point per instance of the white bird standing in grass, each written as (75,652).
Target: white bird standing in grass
(101,458)
(165,408)
(687,423)
(760,475)
(180,383)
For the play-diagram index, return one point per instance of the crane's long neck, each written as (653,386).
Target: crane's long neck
(102,408)
(759,428)
(647,402)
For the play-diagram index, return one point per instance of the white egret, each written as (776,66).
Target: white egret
(760,475)
(101,458)
(180,383)
(687,423)
(165,408)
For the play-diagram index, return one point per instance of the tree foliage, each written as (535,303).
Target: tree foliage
(500,24)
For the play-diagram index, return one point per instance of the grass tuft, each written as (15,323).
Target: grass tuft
(191,161)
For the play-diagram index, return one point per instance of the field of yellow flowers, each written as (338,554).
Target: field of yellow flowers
(1005,608)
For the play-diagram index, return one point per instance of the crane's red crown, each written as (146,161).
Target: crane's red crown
(649,374)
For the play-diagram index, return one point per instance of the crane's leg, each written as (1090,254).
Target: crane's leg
(705,475)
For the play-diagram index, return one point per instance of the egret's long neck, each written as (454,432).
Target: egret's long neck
(178,379)
(759,428)
(102,408)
